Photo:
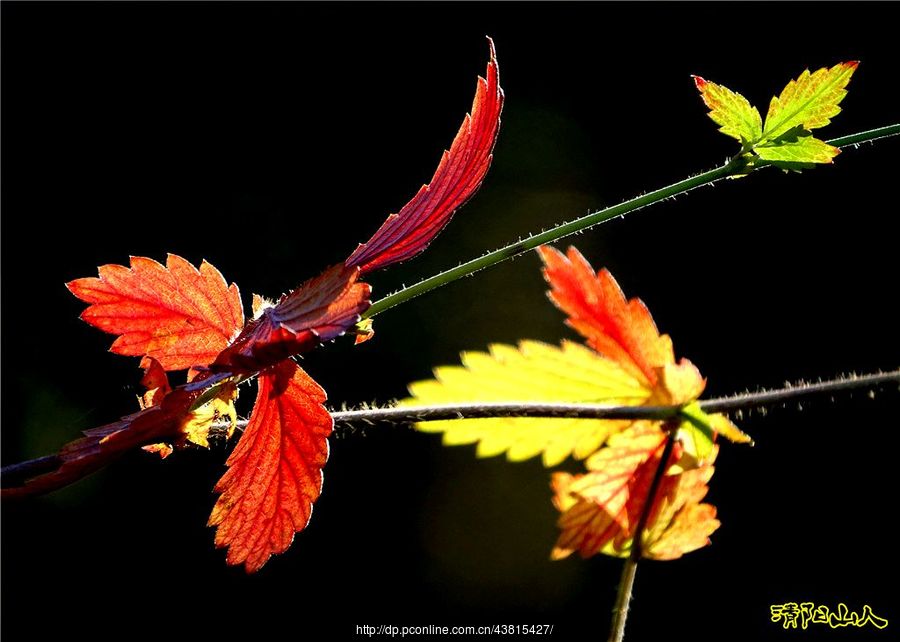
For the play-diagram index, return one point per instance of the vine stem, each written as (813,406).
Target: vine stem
(732,167)
(629,570)
(732,403)
(15,473)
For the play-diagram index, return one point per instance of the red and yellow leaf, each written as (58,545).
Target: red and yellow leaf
(619,329)
(177,314)
(601,509)
(321,309)
(737,117)
(810,101)
(275,472)
(458,176)
(632,366)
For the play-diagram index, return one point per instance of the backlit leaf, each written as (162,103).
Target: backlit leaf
(601,509)
(737,117)
(458,176)
(177,314)
(275,471)
(533,371)
(619,329)
(321,309)
(810,101)
(154,425)
(797,152)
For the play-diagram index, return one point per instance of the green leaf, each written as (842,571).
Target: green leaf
(810,101)
(801,151)
(737,117)
(696,433)
(697,430)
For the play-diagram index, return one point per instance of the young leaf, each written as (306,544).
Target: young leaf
(601,509)
(275,472)
(534,370)
(807,103)
(177,314)
(458,176)
(803,150)
(810,101)
(321,309)
(737,117)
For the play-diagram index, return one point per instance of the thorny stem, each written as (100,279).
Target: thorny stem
(623,599)
(733,167)
(626,583)
(730,168)
(15,473)
(601,411)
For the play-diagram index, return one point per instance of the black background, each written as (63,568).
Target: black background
(270,139)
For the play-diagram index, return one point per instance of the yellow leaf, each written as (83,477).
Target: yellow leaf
(533,371)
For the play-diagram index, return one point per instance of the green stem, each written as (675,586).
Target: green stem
(866,136)
(731,168)
(565,229)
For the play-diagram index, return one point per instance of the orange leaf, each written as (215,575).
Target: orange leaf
(166,417)
(458,176)
(101,445)
(275,472)
(155,381)
(601,509)
(619,329)
(177,314)
(321,309)
(622,330)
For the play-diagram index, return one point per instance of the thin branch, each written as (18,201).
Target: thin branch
(732,403)
(15,474)
(626,583)
(733,167)
(442,412)
(623,600)
(793,392)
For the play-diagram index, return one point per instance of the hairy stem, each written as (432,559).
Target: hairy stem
(623,599)
(731,403)
(564,229)
(731,168)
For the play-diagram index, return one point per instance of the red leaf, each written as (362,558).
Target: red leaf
(275,472)
(155,381)
(319,310)
(619,329)
(101,445)
(176,314)
(458,177)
